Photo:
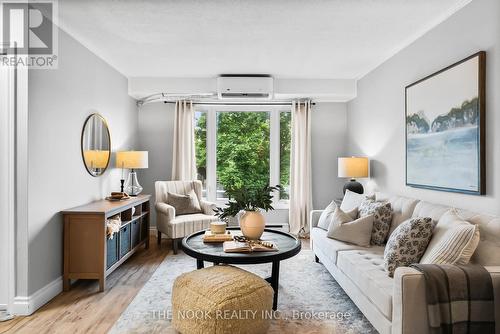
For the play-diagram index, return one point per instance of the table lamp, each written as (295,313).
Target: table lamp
(353,167)
(95,160)
(131,160)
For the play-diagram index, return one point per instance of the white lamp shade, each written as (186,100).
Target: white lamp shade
(96,158)
(353,167)
(132,159)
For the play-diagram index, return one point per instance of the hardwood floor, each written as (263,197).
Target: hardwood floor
(84,309)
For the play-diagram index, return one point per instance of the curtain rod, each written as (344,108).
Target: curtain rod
(242,104)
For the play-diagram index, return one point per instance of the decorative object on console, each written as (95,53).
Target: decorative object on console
(132,160)
(251,201)
(355,231)
(95,145)
(118,196)
(353,167)
(382,218)
(407,243)
(454,241)
(445,128)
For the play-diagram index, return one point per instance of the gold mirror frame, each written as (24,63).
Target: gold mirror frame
(89,169)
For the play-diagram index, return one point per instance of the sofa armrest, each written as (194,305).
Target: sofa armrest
(409,306)
(409,309)
(208,207)
(314,218)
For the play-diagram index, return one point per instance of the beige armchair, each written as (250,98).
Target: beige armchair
(177,227)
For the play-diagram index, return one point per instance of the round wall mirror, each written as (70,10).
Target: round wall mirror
(96,145)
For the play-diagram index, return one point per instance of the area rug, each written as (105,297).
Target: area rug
(310,300)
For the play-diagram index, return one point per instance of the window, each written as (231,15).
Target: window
(200,138)
(242,148)
(285,140)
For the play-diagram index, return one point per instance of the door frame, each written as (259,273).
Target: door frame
(8,94)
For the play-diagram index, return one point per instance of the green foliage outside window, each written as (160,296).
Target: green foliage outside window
(243,150)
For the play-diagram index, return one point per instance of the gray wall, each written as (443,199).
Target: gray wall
(156,133)
(376,117)
(328,142)
(329,139)
(59,102)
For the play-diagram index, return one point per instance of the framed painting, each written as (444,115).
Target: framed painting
(445,128)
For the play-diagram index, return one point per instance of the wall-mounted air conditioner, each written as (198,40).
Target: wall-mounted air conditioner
(238,86)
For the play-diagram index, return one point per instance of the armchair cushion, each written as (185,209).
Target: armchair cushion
(182,226)
(184,204)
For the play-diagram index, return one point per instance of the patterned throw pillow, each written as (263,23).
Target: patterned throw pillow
(382,218)
(407,243)
(184,204)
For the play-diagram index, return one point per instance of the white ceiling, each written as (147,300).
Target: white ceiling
(288,39)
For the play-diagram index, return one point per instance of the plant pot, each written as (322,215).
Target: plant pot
(252,224)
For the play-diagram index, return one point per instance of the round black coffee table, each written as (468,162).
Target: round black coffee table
(287,244)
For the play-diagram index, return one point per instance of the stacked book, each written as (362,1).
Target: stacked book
(248,246)
(217,237)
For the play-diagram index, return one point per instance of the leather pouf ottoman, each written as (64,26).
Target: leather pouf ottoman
(221,299)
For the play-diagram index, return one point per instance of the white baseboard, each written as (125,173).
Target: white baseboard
(28,305)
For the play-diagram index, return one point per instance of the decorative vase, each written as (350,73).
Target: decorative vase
(252,224)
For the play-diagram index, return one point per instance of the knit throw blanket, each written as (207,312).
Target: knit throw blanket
(459,298)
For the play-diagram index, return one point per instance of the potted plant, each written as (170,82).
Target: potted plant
(248,203)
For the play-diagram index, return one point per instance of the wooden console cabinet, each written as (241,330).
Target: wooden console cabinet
(88,252)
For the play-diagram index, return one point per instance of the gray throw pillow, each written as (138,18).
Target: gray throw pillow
(407,243)
(344,228)
(184,204)
(382,218)
(326,216)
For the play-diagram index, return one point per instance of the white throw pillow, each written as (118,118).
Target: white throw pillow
(344,228)
(351,200)
(325,218)
(454,240)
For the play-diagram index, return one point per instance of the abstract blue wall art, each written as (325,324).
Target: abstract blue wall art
(445,128)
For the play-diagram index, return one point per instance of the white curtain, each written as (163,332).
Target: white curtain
(300,169)
(184,158)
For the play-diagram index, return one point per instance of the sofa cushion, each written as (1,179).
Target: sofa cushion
(488,251)
(365,268)
(426,209)
(382,218)
(407,244)
(331,247)
(344,228)
(453,242)
(184,225)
